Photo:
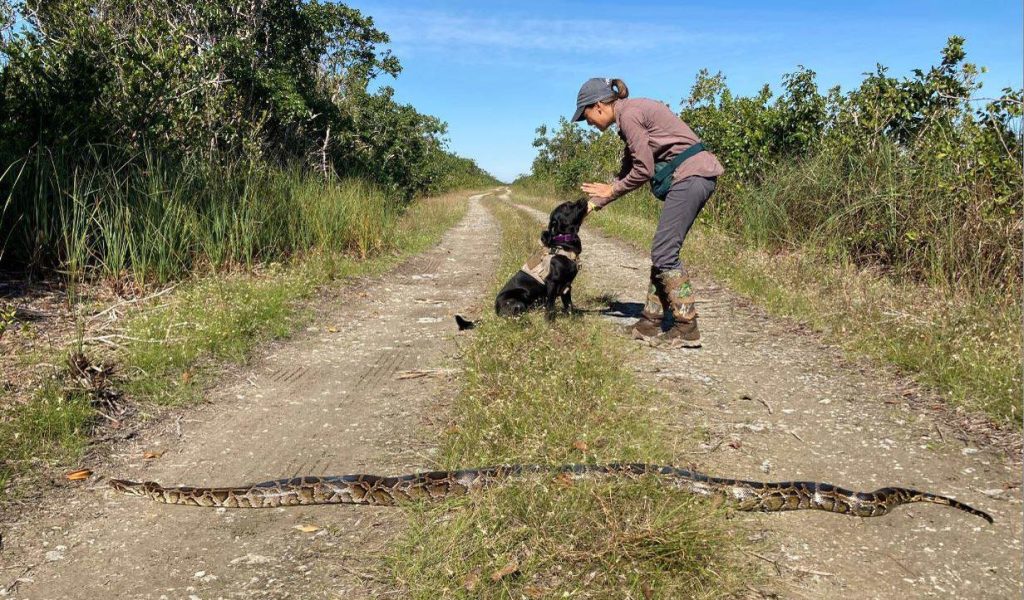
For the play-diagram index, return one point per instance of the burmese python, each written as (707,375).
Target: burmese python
(439,485)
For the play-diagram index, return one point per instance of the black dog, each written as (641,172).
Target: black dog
(549,273)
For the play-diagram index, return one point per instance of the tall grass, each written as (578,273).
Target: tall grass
(148,221)
(886,209)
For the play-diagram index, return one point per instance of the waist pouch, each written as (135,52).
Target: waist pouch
(661,182)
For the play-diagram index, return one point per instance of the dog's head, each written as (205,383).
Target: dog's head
(565,220)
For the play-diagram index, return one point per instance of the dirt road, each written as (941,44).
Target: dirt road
(768,401)
(325,402)
(762,400)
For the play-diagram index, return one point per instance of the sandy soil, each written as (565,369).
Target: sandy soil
(767,400)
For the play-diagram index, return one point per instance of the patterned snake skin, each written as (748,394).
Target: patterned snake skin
(439,485)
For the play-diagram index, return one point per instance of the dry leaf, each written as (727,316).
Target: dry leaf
(533,592)
(564,479)
(451,429)
(735,444)
(510,568)
(580,445)
(79,475)
(151,454)
(647,590)
(306,528)
(186,376)
(332,329)
(471,580)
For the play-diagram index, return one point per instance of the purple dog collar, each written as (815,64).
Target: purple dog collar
(566,238)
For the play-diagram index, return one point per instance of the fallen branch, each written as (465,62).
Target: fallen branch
(132,301)
(417,373)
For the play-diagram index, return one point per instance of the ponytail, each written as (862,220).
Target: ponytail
(619,89)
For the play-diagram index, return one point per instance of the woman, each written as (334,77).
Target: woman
(662,149)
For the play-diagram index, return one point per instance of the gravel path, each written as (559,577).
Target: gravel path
(769,401)
(329,401)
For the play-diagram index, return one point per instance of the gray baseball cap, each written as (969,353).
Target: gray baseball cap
(591,92)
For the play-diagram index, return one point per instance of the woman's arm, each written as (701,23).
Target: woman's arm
(637,164)
(638,147)
(627,161)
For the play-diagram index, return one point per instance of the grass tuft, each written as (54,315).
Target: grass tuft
(53,425)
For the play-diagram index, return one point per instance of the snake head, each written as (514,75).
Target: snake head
(133,488)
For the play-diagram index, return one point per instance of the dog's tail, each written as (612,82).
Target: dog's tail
(464,323)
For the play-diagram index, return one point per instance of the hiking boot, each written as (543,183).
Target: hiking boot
(649,326)
(684,332)
(646,328)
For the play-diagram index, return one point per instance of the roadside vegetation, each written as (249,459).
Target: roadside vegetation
(888,216)
(178,177)
(558,394)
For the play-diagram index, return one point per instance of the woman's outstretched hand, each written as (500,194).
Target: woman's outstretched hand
(598,191)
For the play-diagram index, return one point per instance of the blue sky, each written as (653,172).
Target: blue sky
(494,71)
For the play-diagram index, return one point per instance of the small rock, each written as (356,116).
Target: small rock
(54,555)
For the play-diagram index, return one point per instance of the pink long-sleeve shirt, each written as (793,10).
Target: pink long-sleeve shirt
(653,133)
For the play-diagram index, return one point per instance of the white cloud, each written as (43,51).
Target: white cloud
(420,30)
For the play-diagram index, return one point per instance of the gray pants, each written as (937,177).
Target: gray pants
(682,205)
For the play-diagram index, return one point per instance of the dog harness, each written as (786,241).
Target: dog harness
(539,265)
